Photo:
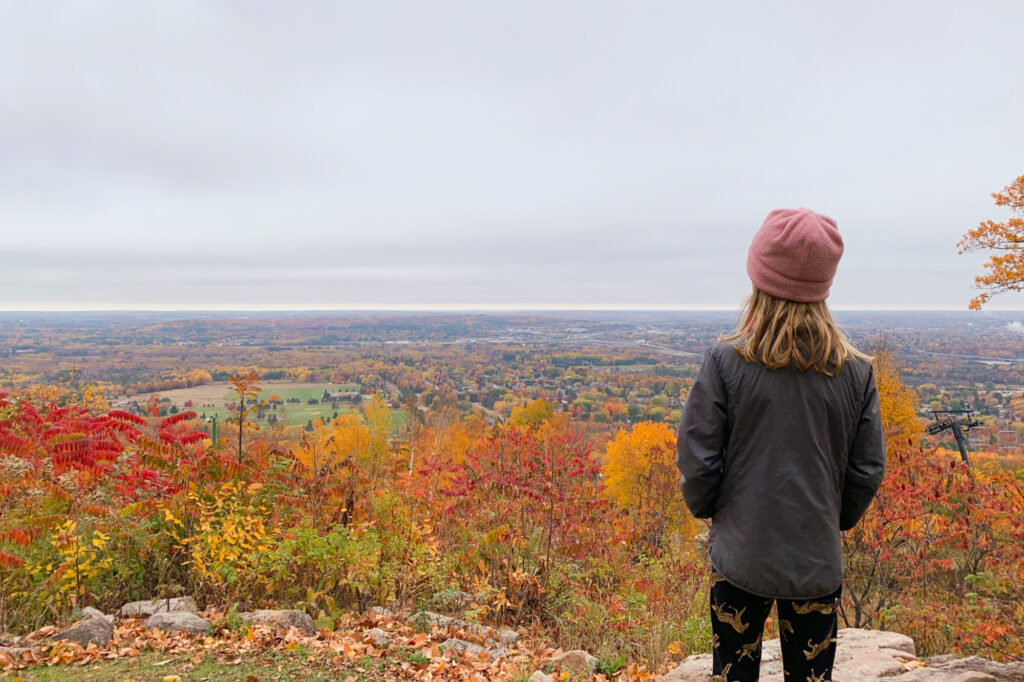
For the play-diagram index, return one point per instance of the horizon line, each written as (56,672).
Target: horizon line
(460,307)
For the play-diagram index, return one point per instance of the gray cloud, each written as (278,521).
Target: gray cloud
(230,153)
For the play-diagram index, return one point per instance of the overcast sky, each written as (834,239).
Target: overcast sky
(337,155)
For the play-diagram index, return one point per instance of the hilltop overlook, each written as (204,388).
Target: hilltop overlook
(485,468)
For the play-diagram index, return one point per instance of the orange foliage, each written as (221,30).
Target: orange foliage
(640,476)
(897,401)
(1005,268)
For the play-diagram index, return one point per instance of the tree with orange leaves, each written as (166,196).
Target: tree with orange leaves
(1005,268)
(640,477)
(897,401)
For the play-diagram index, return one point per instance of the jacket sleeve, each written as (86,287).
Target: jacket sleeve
(703,435)
(865,466)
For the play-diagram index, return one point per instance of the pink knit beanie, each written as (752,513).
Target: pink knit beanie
(795,254)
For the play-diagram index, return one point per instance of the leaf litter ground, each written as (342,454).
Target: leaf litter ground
(262,654)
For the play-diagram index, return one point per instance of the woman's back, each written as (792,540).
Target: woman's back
(781,445)
(787,437)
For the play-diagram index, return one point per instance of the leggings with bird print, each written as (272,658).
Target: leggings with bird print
(807,627)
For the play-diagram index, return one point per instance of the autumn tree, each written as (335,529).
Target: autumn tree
(532,414)
(1005,268)
(897,401)
(245,389)
(374,457)
(640,476)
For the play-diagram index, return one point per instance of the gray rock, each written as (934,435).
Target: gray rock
(576,660)
(461,646)
(538,676)
(424,619)
(970,669)
(90,631)
(509,637)
(151,606)
(696,668)
(379,637)
(941,675)
(383,612)
(176,621)
(89,612)
(284,618)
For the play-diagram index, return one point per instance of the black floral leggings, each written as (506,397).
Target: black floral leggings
(808,629)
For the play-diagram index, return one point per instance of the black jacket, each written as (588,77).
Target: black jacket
(782,461)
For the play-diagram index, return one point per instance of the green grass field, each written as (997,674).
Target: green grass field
(211,400)
(301,414)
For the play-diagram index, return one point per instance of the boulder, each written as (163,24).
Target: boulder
(379,637)
(177,621)
(577,660)
(871,654)
(538,676)
(867,655)
(285,618)
(382,611)
(695,668)
(90,631)
(89,612)
(509,637)
(151,606)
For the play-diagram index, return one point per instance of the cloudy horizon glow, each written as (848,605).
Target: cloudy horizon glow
(458,155)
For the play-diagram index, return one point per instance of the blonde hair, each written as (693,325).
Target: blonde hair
(778,333)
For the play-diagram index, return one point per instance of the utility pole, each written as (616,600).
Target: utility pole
(956,421)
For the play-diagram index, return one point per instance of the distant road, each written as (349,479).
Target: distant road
(978,358)
(640,344)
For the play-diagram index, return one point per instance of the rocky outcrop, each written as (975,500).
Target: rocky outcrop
(971,669)
(495,641)
(864,656)
(151,606)
(285,618)
(178,621)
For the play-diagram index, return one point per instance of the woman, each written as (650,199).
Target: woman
(781,446)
